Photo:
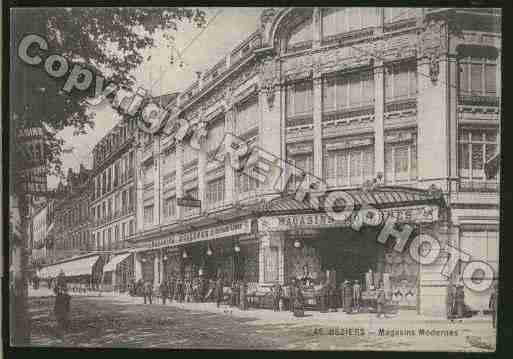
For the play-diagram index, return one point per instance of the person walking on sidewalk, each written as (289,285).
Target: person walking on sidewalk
(164,291)
(357,293)
(148,291)
(381,300)
(62,308)
(277,294)
(493,305)
(219,291)
(243,289)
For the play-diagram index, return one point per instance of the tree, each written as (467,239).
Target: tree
(109,42)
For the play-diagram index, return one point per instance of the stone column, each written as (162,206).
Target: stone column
(229,172)
(156,180)
(379,120)
(139,189)
(453,120)
(316,28)
(202,174)
(137,266)
(179,187)
(433,124)
(317,123)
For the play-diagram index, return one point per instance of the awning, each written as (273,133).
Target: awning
(111,266)
(82,266)
(381,197)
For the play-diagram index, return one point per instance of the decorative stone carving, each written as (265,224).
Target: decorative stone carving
(434,67)
(432,44)
(269,79)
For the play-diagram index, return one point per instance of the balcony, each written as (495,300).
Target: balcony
(117,214)
(489,186)
(477,100)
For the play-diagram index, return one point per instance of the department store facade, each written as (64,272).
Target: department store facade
(401,98)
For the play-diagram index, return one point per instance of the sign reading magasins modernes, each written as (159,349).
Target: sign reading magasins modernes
(232,229)
(412,214)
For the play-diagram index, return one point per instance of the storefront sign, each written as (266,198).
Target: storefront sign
(227,230)
(411,214)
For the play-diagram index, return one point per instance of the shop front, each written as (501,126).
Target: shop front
(118,272)
(228,250)
(313,248)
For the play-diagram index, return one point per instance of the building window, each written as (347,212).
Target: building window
(400,162)
(215,135)
(215,191)
(271,262)
(116,174)
(192,193)
(124,204)
(478,76)
(300,36)
(247,116)
(169,161)
(116,233)
(123,230)
(348,90)
(299,99)
(169,209)
(109,179)
(401,81)
(189,154)
(349,166)
(132,227)
(148,214)
(340,20)
(131,195)
(246,183)
(475,148)
(305,163)
(109,246)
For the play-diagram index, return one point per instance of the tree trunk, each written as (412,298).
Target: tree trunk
(20,319)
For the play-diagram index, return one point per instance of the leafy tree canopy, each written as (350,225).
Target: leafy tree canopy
(109,41)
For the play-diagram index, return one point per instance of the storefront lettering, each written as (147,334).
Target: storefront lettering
(205,234)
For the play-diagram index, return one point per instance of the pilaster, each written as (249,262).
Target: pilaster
(379,120)
(156,180)
(317,124)
(179,176)
(229,172)
(202,169)
(139,190)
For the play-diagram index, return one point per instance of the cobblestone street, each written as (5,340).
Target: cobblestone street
(109,321)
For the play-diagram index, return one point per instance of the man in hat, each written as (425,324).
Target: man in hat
(148,291)
(493,305)
(277,294)
(164,291)
(381,300)
(62,308)
(219,291)
(460,300)
(348,296)
(357,293)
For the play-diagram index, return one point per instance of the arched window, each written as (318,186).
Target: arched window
(339,20)
(301,36)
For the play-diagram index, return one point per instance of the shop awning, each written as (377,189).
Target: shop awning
(82,266)
(380,197)
(112,264)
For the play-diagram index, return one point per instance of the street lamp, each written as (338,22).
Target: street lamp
(297,244)
(184,254)
(237,248)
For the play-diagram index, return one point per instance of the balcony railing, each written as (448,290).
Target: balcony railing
(489,186)
(477,100)
(117,214)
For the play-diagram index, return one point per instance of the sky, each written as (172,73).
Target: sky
(225,31)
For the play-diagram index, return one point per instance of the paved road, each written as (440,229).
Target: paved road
(124,322)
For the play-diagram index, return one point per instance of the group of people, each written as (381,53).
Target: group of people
(199,289)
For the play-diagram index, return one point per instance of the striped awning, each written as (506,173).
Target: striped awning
(111,266)
(82,266)
(381,197)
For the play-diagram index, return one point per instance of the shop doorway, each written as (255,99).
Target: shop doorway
(349,254)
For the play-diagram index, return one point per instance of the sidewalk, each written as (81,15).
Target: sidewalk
(267,316)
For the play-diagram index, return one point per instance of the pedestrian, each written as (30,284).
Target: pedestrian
(62,308)
(460,301)
(277,294)
(243,290)
(357,293)
(381,300)
(148,291)
(323,297)
(492,305)
(171,288)
(164,291)
(298,303)
(451,302)
(348,297)
(219,291)
(332,297)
